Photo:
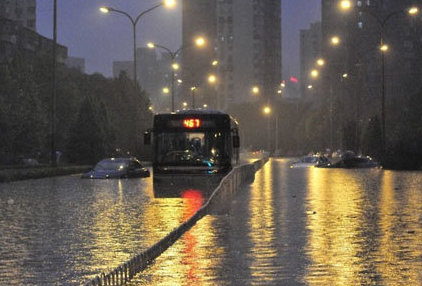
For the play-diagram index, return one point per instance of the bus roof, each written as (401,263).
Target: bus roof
(196,111)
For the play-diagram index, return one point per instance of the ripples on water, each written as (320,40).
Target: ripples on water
(290,227)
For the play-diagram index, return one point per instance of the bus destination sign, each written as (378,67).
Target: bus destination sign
(192,123)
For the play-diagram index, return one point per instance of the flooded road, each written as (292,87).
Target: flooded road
(305,227)
(290,227)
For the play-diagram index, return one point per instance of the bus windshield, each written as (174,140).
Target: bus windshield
(192,148)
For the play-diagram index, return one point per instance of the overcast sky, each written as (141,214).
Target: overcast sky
(101,39)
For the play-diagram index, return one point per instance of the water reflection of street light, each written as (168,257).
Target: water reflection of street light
(134,21)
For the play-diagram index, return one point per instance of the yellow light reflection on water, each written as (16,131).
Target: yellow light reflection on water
(334,216)
(118,225)
(261,221)
(401,229)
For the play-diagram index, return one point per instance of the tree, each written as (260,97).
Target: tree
(86,141)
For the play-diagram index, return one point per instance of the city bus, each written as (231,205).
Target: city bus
(191,144)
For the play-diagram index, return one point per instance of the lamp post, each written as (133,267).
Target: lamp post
(53,95)
(199,42)
(134,21)
(346,5)
(384,49)
(174,66)
(192,90)
(267,111)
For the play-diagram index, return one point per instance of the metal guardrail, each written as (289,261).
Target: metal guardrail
(228,186)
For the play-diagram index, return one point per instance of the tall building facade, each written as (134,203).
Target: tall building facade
(23,12)
(357,97)
(244,36)
(310,52)
(153,75)
(198,20)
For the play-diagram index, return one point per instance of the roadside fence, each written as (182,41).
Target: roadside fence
(244,174)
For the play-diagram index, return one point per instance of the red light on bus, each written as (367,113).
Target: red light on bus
(192,123)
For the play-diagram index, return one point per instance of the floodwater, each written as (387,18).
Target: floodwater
(305,226)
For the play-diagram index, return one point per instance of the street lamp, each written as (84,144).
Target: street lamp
(166,90)
(255,90)
(134,21)
(335,40)
(320,62)
(412,11)
(212,79)
(193,89)
(175,66)
(345,5)
(53,103)
(314,73)
(267,111)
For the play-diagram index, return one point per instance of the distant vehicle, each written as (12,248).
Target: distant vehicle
(350,160)
(117,168)
(309,161)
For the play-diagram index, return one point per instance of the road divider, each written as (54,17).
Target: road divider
(244,174)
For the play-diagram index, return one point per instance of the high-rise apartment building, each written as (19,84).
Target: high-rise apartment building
(354,82)
(310,52)
(23,12)
(199,20)
(245,37)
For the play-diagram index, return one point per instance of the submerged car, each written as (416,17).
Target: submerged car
(309,161)
(117,168)
(350,160)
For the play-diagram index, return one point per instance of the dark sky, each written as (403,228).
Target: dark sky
(101,38)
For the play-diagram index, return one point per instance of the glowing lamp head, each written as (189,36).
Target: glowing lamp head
(345,5)
(151,45)
(200,41)
(320,62)
(335,41)
(169,3)
(104,10)
(384,48)
(314,73)
(212,78)
(175,66)
(413,10)
(267,110)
